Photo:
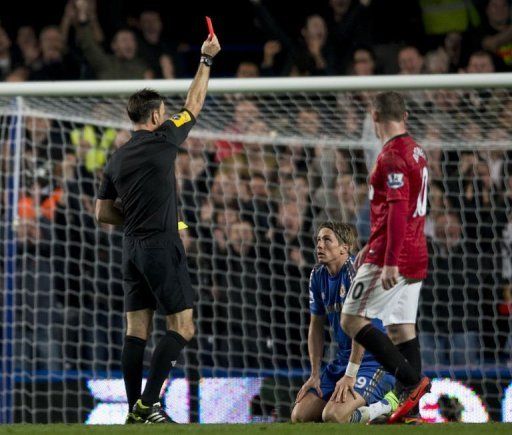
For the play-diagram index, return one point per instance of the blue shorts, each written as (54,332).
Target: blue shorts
(372,382)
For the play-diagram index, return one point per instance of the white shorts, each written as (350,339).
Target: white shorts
(367,298)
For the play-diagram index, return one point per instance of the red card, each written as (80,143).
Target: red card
(210,27)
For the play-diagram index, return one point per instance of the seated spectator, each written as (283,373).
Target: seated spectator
(6,60)
(348,28)
(480,62)
(55,63)
(153,47)
(69,20)
(449,300)
(311,54)
(496,31)
(443,16)
(437,62)
(262,206)
(254,157)
(504,323)
(247,70)
(453,47)
(496,155)
(410,61)
(42,329)
(123,64)
(315,36)
(505,116)
(438,204)
(271,49)
(27,51)
(40,201)
(244,113)
(241,285)
(363,62)
(93,145)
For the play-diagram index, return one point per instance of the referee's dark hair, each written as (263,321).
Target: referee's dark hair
(142,103)
(389,106)
(346,234)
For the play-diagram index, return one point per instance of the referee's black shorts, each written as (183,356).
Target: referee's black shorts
(155,274)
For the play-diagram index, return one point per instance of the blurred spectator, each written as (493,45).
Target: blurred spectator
(505,116)
(93,145)
(452,44)
(254,157)
(42,328)
(363,62)
(241,290)
(291,251)
(311,54)
(261,208)
(348,28)
(6,61)
(55,63)
(480,62)
(27,51)
(153,46)
(40,201)
(496,31)
(270,50)
(437,62)
(247,70)
(123,64)
(244,112)
(450,299)
(410,61)
(496,156)
(70,19)
(443,16)
(504,323)
(437,205)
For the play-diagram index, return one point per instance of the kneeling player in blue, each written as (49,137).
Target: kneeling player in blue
(353,386)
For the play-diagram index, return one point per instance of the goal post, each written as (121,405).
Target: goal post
(268,160)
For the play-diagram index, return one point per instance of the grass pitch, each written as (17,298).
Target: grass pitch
(261,429)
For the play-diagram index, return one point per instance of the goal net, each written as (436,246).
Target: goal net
(267,162)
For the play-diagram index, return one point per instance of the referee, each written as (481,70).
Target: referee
(141,175)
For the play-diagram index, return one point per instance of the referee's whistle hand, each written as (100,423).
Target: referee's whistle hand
(210,47)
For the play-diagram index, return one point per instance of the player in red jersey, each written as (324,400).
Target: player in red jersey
(393,264)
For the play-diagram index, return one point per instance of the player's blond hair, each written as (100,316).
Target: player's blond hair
(345,233)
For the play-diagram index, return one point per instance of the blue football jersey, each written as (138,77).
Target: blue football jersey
(326,297)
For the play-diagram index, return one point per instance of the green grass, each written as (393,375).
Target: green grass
(262,429)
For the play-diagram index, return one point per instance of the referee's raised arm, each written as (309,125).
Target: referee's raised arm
(197,91)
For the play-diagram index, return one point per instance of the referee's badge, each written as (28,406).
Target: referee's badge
(180,118)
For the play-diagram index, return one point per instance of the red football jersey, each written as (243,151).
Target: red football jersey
(400,174)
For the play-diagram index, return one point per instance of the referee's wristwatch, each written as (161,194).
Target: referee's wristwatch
(207,60)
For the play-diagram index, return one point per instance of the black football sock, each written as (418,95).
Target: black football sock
(411,352)
(386,353)
(132,362)
(164,357)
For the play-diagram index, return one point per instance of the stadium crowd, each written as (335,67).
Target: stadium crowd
(252,208)
(335,37)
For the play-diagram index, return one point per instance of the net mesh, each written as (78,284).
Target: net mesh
(259,173)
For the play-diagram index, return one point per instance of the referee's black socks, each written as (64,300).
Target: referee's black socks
(386,353)
(132,361)
(163,359)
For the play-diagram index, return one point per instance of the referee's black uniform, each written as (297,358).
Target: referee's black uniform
(141,174)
